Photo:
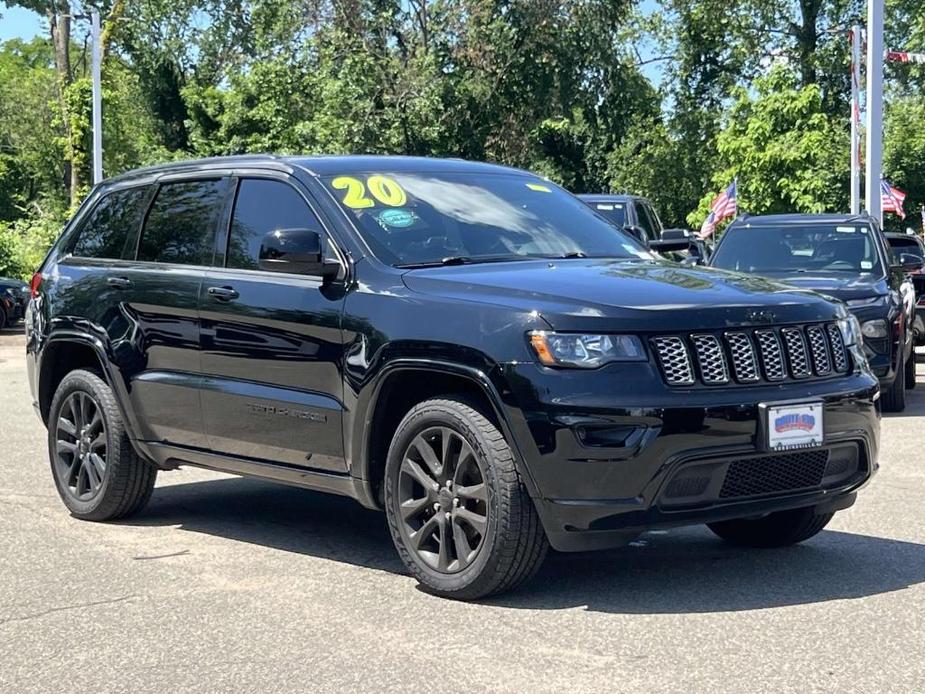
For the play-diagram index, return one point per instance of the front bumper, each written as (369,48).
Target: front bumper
(603,448)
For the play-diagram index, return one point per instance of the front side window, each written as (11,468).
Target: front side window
(910,246)
(263,206)
(815,247)
(111,229)
(180,227)
(428,218)
(649,221)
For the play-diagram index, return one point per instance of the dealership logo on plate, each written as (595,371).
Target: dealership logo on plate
(794,422)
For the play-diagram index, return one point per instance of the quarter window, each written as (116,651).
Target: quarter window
(111,229)
(181,224)
(261,207)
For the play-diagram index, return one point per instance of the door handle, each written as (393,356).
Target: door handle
(223,293)
(119,282)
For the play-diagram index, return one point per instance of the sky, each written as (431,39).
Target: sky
(17,22)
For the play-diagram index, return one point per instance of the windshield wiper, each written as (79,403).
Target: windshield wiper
(464,260)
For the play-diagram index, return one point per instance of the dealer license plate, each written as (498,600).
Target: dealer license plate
(795,426)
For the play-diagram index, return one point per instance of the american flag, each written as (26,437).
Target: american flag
(892,199)
(723,207)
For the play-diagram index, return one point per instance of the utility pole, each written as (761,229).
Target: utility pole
(855,119)
(97,99)
(874,107)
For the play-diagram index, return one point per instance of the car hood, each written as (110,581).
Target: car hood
(839,285)
(637,295)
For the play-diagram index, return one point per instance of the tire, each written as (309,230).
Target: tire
(98,474)
(780,529)
(910,371)
(4,319)
(499,552)
(894,397)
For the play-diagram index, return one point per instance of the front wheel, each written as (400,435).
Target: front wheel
(910,371)
(779,529)
(458,511)
(894,397)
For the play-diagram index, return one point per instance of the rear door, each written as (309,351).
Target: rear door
(161,291)
(272,347)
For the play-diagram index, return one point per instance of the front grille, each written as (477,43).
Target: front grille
(748,356)
(775,473)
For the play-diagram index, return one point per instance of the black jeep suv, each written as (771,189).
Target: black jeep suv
(466,346)
(843,256)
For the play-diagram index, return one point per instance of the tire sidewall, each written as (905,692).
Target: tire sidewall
(72,383)
(417,420)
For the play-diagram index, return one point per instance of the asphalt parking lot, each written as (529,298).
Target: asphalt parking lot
(226,584)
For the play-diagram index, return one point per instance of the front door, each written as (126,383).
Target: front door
(272,346)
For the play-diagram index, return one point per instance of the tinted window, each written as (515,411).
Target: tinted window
(111,229)
(414,218)
(645,221)
(654,222)
(181,224)
(613,212)
(261,207)
(909,245)
(815,247)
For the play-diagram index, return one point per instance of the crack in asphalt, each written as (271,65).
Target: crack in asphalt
(64,608)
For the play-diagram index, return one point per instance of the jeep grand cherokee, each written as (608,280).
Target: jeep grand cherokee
(466,346)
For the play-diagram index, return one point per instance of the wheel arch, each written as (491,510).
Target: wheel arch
(400,386)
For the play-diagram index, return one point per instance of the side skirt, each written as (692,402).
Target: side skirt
(170,457)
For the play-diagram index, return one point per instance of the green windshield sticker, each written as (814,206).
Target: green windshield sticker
(539,188)
(397,218)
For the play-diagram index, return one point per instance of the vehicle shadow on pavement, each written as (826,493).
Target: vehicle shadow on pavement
(687,570)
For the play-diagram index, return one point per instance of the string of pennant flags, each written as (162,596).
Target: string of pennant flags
(905,57)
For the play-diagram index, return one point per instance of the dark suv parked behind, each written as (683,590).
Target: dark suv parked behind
(467,346)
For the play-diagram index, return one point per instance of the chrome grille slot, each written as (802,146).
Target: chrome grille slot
(752,355)
(744,361)
(710,359)
(674,360)
(819,349)
(839,354)
(796,352)
(772,357)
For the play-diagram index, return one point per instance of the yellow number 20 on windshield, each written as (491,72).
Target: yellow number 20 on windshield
(384,189)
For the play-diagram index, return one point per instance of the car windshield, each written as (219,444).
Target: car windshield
(613,212)
(910,246)
(842,248)
(411,219)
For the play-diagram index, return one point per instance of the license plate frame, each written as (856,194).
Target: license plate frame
(792,425)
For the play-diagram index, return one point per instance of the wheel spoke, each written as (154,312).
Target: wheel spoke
(421,536)
(413,507)
(411,468)
(73,471)
(96,422)
(446,439)
(67,447)
(476,492)
(81,484)
(461,544)
(93,477)
(99,465)
(443,555)
(426,452)
(475,520)
(67,426)
(77,406)
(99,441)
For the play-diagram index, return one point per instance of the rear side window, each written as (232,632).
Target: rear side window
(181,224)
(111,229)
(263,206)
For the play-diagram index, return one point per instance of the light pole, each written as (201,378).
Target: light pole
(874,107)
(855,120)
(97,99)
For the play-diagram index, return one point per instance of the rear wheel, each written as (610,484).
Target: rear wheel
(458,511)
(4,320)
(774,530)
(98,474)
(894,397)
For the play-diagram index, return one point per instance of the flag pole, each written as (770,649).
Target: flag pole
(855,119)
(874,159)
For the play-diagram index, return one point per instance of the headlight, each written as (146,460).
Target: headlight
(868,301)
(850,330)
(875,329)
(585,351)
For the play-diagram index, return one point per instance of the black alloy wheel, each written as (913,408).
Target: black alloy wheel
(81,446)
(443,499)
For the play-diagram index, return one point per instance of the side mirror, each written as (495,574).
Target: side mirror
(637,232)
(910,262)
(666,246)
(675,234)
(296,251)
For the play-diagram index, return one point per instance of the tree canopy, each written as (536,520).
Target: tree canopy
(667,98)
